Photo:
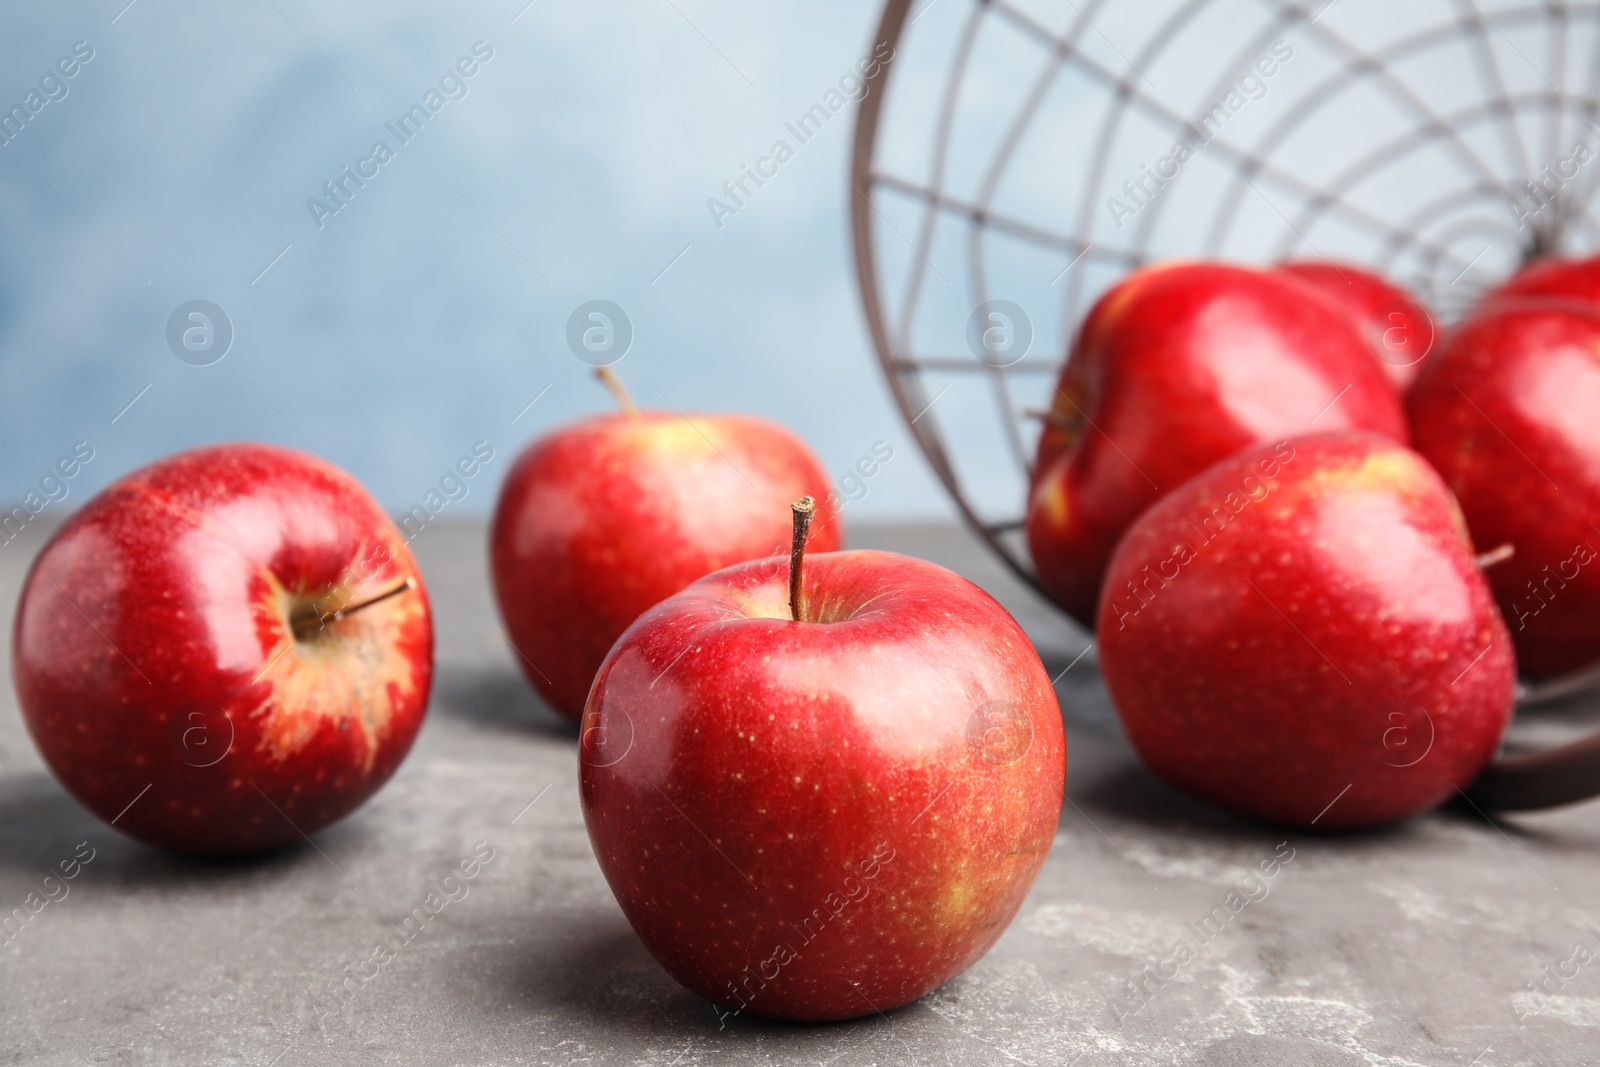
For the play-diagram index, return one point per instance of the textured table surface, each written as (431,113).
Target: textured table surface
(1450,940)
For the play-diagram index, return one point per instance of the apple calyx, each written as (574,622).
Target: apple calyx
(1488,559)
(306,623)
(619,392)
(803,509)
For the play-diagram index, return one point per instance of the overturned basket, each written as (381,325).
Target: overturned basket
(1020,156)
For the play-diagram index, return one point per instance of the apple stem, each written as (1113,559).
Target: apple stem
(1498,555)
(619,392)
(803,509)
(1051,418)
(304,627)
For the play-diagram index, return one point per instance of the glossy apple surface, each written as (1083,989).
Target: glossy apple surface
(822,819)
(169,662)
(604,518)
(1397,327)
(1175,368)
(1302,634)
(1511,418)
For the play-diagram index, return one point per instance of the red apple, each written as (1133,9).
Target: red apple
(1509,413)
(224,651)
(1397,327)
(1572,279)
(824,818)
(606,517)
(1174,369)
(1302,634)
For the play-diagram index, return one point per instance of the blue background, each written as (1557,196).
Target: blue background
(425,314)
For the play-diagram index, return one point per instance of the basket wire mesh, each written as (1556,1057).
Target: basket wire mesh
(1028,150)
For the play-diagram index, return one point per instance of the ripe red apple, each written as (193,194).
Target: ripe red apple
(606,517)
(1175,368)
(225,650)
(824,814)
(1573,279)
(1302,633)
(1397,327)
(1510,416)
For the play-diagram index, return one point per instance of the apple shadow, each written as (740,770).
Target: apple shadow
(499,699)
(1081,691)
(1131,792)
(1134,793)
(603,973)
(1513,824)
(41,825)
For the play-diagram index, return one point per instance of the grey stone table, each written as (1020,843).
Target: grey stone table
(1449,940)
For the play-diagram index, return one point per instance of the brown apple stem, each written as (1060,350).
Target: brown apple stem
(308,625)
(619,392)
(1051,418)
(803,509)
(1497,555)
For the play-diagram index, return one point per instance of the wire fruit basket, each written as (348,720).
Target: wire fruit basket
(1014,158)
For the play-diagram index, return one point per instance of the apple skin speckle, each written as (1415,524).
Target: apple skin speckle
(1340,644)
(869,851)
(604,518)
(1176,367)
(155,646)
(1509,413)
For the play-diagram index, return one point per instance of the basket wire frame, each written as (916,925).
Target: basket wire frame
(1494,141)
